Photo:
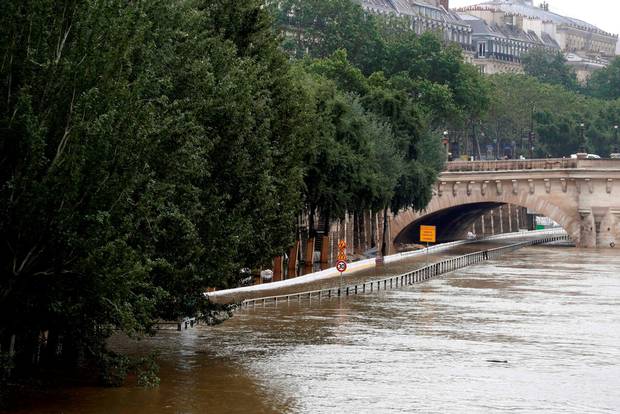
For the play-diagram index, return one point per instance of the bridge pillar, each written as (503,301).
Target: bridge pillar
(277,268)
(609,229)
(587,236)
(292,260)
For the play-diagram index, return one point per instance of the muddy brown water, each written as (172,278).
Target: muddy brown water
(536,330)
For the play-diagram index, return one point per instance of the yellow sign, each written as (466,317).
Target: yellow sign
(428,234)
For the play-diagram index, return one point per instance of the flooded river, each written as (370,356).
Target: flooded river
(536,330)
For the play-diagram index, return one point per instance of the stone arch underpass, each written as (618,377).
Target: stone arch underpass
(583,196)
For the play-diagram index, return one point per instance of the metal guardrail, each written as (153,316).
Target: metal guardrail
(416,276)
(178,324)
(443,246)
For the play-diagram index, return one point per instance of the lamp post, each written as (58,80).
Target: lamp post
(446,145)
(583,152)
(530,135)
(615,152)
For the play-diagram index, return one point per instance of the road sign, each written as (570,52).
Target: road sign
(342,251)
(428,234)
(341,266)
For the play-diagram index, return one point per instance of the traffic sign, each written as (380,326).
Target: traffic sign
(342,250)
(341,266)
(428,234)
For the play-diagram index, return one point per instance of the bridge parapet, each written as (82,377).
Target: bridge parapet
(535,164)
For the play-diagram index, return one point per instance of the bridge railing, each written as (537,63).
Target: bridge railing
(540,164)
(512,165)
(416,276)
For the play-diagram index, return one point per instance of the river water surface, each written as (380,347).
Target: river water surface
(536,330)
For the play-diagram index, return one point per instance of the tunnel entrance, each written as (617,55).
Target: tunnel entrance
(454,223)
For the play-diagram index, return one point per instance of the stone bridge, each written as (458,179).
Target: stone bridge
(582,195)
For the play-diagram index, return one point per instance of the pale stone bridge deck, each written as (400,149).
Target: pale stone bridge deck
(582,195)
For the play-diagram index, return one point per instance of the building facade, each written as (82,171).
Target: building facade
(499,47)
(586,47)
(426,16)
(496,33)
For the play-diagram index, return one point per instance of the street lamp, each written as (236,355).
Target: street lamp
(615,153)
(582,143)
(446,142)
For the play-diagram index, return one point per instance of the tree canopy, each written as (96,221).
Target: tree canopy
(519,103)
(150,150)
(605,83)
(145,147)
(549,67)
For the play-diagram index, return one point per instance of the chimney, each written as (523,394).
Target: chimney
(445,4)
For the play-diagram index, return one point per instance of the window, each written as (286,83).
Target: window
(482,49)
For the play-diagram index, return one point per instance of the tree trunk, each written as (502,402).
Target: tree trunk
(384,235)
(311,230)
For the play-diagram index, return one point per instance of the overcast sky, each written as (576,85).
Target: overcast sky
(602,13)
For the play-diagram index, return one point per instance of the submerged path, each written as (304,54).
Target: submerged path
(395,265)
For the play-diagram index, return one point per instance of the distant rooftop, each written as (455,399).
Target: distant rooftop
(411,8)
(481,27)
(527,9)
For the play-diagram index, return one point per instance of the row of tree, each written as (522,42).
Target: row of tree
(549,102)
(149,150)
(552,68)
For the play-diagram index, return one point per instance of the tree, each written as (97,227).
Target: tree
(318,28)
(605,83)
(549,67)
(144,149)
(519,103)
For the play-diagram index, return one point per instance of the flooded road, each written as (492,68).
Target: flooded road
(536,330)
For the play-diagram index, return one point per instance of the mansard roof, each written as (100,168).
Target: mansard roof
(526,9)
(411,8)
(482,28)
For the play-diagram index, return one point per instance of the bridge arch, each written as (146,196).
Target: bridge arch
(455,206)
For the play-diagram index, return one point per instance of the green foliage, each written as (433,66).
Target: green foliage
(549,67)
(145,151)
(605,83)
(442,80)
(520,102)
(147,371)
(113,369)
(149,150)
(318,28)
(414,84)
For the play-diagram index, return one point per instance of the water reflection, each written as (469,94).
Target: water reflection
(553,314)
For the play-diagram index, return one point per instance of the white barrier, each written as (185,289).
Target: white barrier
(362,265)
(416,276)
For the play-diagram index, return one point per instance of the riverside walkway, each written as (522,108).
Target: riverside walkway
(360,277)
